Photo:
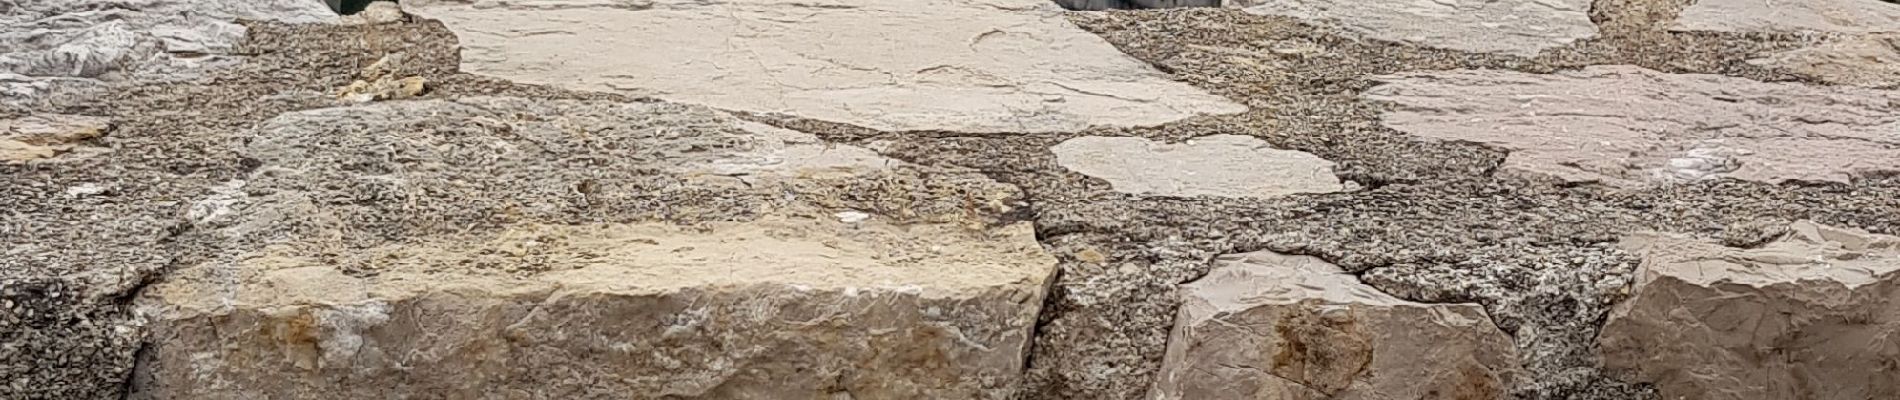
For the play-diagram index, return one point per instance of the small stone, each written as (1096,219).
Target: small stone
(380,12)
(852,217)
(1219,165)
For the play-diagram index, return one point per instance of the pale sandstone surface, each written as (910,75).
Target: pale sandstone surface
(1870,61)
(45,136)
(964,65)
(52,47)
(923,296)
(1812,315)
(1842,16)
(1630,126)
(1219,165)
(1265,325)
(1519,27)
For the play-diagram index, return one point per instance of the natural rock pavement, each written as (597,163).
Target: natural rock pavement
(997,199)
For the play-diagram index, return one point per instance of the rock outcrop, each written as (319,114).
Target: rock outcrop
(1522,28)
(1270,326)
(1812,315)
(650,249)
(963,65)
(1629,126)
(1219,165)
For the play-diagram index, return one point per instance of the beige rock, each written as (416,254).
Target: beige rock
(1629,126)
(380,82)
(1814,315)
(381,12)
(1871,61)
(1269,326)
(965,65)
(43,136)
(1843,16)
(1522,28)
(1218,165)
(785,301)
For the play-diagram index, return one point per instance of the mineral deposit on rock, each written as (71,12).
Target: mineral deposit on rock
(1521,28)
(1270,326)
(1219,165)
(966,65)
(1630,126)
(1814,315)
(1843,16)
(782,301)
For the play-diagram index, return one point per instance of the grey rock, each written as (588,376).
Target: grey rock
(1813,315)
(1521,27)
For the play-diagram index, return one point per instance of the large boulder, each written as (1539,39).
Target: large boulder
(964,65)
(1814,314)
(1523,28)
(510,248)
(1270,326)
(1218,165)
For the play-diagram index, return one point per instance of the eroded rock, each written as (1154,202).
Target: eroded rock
(1522,28)
(1813,315)
(1629,126)
(599,249)
(1270,326)
(1219,165)
(44,136)
(965,65)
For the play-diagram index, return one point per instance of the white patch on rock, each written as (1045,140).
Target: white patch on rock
(965,65)
(1813,315)
(1629,126)
(1521,28)
(1219,165)
(1840,16)
(1269,326)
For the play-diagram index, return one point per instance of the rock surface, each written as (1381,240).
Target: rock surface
(1871,61)
(1522,28)
(1813,315)
(44,136)
(908,301)
(1631,126)
(1219,165)
(60,43)
(965,65)
(1842,16)
(1269,326)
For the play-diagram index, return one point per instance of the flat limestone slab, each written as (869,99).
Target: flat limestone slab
(1219,165)
(1812,315)
(1516,27)
(1840,16)
(1270,326)
(1629,126)
(964,65)
(427,249)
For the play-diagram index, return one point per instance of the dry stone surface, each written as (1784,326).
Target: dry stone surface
(1219,165)
(45,136)
(1630,126)
(1870,61)
(1522,28)
(965,65)
(1842,16)
(1269,326)
(1812,315)
(790,302)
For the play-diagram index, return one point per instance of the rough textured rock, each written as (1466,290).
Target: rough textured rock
(1269,326)
(1219,165)
(44,136)
(1872,61)
(964,65)
(926,293)
(1814,315)
(380,12)
(1099,5)
(50,42)
(1631,126)
(1843,16)
(1522,28)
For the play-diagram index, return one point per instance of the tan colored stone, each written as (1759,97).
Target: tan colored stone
(1269,326)
(1813,315)
(380,12)
(1871,61)
(1218,165)
(965,65)
(1522,28)
(779,299)
(1842,16)
(1629,126)
(43,136)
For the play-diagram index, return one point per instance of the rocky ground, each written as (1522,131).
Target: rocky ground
(1332,136)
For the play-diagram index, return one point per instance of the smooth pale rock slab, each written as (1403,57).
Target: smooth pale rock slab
(1270,326)
(780,299)
(1840,16)
(1218,165)
(1629,126)
(1813,315)
(964,65)
(1517,27)
(1869,61)
(44,136)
